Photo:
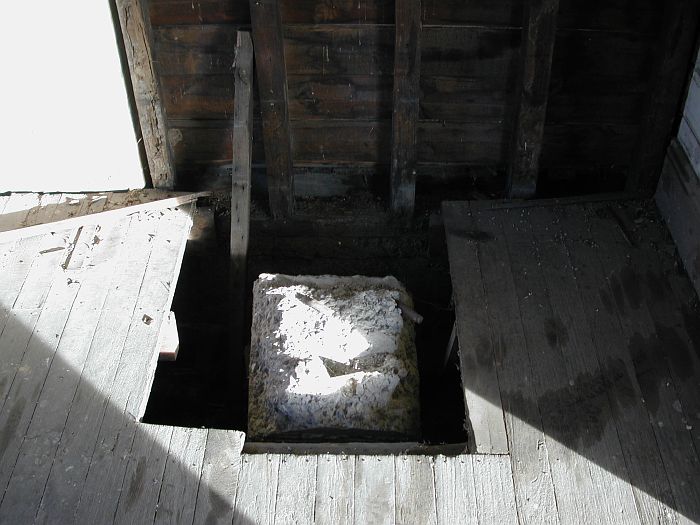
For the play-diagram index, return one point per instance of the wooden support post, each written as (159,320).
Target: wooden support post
(272,86)
(539,33)
(673,65)
(241,173)
(406,106)
(137,37)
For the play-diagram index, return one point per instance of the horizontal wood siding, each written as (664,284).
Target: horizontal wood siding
(340,58)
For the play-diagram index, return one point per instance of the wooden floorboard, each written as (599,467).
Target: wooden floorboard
(646,471)
(520,376)
(335,490)
(580,404)
(482,397)
(218,484)
(581,321)
(183,469)
(415,490)
(375,489)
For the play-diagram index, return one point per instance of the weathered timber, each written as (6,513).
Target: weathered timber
(404,153)
(539,29)
(673,65)
(241,180)
(272,85)
(137,36)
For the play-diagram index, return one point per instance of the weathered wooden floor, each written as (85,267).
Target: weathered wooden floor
(590,342)
(580,343)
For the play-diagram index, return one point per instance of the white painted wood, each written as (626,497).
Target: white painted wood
(178,495)
(375,485)
(495,499)
(257,490)
(218,485)
(455,493)
(335,488)
(296,490)
(415,490)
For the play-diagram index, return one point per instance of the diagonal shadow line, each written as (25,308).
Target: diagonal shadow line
(154,468)
(577,419)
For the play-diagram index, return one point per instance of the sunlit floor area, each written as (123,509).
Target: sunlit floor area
(579,337)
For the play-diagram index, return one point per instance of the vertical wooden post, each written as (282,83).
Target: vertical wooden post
(272,86)
(675,53)
(539,33)
(406,105)
(240,184)
(137,37)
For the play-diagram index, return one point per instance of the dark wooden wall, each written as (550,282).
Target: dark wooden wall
(340,54)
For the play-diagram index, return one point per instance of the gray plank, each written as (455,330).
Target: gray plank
(455,492)
(19,403)
(296,490)
(518,313)
(136,363)
(335,486)
(585,399)
(647,474)
(78,440)
(138,499)
(375,486)
(38,446)
(257,490)
(657,386)
(495,499)
(183,468)
(218,485)
(479,378)
(521,379)
(415,490)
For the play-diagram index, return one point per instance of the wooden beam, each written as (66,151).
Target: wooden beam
(539,33)
(240,187)
(404,154)
(137,37)
(272,86)
(99,217)
(673,65)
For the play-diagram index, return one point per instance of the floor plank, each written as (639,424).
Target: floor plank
(137,355)
(48,419)
(582,404)
(218,485)
(138,499)
(296,489)
(257,490)
(648,476)
(487,434)
(415,490)
(183,468)
(495,499)
(375,488)
(653,374)
(521,375)
(335,490)
(63,490)
(455,492)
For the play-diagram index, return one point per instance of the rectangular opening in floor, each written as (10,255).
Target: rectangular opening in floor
(209,383)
